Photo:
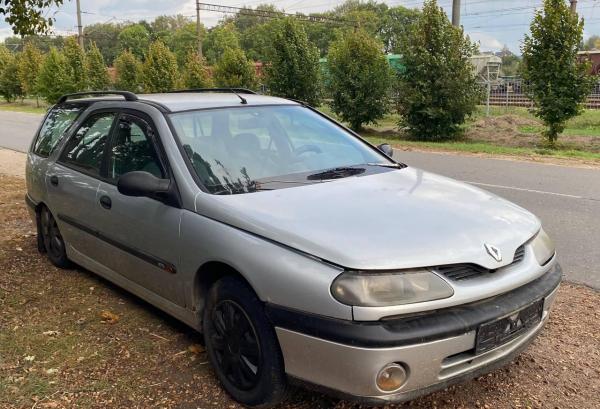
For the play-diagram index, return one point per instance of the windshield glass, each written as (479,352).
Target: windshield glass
(237,150)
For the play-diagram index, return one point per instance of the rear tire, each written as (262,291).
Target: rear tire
(54,244)
(242,345)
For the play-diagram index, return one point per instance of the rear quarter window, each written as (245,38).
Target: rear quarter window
(57,121)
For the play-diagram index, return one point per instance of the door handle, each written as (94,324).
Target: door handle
(105,202)
(54,180)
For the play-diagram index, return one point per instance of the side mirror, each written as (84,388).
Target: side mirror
(140,184)
(387,149)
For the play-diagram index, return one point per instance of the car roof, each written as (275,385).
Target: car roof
(184,101)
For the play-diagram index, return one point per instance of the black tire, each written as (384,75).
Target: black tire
(54,244)
(242,345)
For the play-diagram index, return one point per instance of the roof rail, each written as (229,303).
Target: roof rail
(129,96)
(232,90)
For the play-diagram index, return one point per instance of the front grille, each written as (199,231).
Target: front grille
(458,272)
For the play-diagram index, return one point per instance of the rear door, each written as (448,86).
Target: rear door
(143,231)
(73,180)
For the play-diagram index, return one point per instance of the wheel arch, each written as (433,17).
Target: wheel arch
(208,274)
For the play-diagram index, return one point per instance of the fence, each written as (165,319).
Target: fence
(511,92)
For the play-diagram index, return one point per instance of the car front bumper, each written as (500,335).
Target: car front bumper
(348,365)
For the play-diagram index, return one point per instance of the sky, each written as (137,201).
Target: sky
(492,23)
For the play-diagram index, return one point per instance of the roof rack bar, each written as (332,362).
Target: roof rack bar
(231,90)
(129,96)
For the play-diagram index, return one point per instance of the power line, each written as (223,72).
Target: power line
(272,14)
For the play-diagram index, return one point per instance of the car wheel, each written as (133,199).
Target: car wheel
(52,239)
(242,345)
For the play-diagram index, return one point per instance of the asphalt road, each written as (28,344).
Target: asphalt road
(566,199)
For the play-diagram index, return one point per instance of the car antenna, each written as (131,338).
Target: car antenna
(242,99)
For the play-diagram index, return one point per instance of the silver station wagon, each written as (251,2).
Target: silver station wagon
(302,253)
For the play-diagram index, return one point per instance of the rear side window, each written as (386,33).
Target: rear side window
(56,123)
(85,149)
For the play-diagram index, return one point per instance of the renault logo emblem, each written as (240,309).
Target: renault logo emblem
(493,251)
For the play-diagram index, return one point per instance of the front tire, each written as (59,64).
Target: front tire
(53,242)
(242,345)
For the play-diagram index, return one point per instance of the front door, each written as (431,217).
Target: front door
(144,232)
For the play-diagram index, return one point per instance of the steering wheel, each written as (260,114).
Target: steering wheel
(307,148)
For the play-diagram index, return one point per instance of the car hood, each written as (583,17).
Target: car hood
(398,219)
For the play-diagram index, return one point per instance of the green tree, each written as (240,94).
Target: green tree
(10,86)
(30,64)
(135,38)
(5,57)
(182,40)
(592,43)
(28,17)
(53,80)
(293,69)
(76,64)
(129,72)
(234,70)
(160,69)
(218,40)
(438,90)
(558,82)
(106,38)
(195,73)
(96,69)
(359,78)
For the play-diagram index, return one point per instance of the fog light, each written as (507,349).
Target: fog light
(391,378)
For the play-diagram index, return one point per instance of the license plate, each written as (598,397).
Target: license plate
(496,333)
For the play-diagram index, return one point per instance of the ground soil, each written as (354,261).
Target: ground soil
(506,130)
(69,339)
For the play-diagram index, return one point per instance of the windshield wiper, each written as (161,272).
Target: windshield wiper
(388,165)
(336,173)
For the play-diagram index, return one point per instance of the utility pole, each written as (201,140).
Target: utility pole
(198,28)
(79,26)
(456,13)
(573,6)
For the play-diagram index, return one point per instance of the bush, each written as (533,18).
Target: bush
(129,72)
(54,80)
(160,69)
(10,86)
(438,90)
(76,64)
(558,82)
(234,70)
(293,70)
(30,65)
(96,69)
(195,73)
(359,78)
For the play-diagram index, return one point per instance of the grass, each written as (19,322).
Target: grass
(586,125)
(485,147)
(27,105)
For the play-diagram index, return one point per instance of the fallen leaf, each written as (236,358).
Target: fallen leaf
(51,371)
(50,333)
(29,358)
(108,317)
(196,349)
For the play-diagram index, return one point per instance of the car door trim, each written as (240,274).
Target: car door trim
(142,255)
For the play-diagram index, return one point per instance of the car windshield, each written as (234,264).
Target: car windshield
(245,149)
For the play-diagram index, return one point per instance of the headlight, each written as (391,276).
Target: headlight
(380,290)
(543,247)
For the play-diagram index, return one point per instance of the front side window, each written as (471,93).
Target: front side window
(133,149)
(86,147)
(236,150)
(57,121)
